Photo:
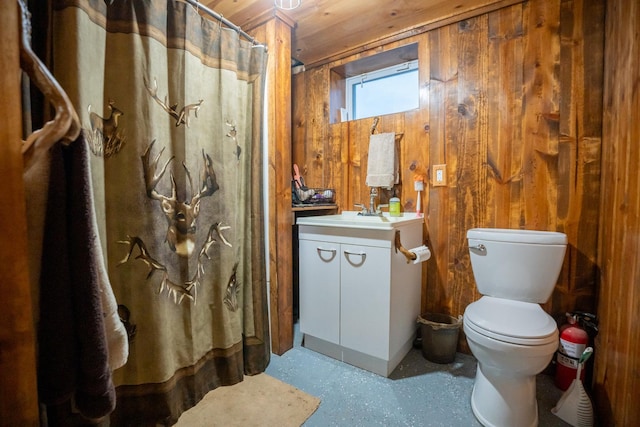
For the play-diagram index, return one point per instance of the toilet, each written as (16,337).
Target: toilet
(508,332)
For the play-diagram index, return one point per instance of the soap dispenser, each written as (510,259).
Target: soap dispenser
(394,205)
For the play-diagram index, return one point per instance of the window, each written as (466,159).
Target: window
(384,91)
(384,83)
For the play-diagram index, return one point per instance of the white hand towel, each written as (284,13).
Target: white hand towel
(382,166)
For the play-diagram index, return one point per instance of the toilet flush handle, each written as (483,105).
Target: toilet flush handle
(478,248)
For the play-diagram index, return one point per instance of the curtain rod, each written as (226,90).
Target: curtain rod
(200,6)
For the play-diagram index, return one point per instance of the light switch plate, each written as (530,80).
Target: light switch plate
(439,177)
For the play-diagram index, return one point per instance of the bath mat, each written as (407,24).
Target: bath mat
(258,400)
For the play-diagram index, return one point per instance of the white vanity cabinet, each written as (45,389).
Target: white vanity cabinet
(359,298)
(319,276)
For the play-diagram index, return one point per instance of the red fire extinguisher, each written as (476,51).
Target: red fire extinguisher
(574,338)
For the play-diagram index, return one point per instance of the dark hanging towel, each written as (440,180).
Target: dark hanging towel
(73,363)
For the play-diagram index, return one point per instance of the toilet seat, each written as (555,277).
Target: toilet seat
(511,321)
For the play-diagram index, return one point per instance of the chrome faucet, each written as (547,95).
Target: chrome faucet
(373,209)
(362,207)
(373,193)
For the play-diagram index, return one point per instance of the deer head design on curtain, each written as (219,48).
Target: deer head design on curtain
(181,216)
(182,116)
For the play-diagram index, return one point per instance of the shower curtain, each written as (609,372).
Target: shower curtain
(171,108)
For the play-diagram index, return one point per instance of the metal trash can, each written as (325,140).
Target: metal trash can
(439,336)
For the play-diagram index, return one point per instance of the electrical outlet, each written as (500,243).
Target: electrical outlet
(439,177)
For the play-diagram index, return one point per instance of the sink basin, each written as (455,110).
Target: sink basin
(352,219)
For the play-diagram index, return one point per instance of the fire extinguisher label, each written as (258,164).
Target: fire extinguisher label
(571,349)
(567,361)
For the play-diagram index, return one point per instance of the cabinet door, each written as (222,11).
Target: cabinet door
(365,299)
(320,290)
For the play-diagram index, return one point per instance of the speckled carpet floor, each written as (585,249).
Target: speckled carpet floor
(417,393)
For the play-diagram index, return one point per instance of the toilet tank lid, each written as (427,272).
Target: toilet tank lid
(510,318)
(518,236)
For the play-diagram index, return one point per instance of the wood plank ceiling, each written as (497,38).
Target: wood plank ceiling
(327,29)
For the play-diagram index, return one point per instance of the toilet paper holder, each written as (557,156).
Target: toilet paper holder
(411,256)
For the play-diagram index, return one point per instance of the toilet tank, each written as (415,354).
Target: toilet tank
(521,265)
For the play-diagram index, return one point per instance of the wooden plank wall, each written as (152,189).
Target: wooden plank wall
(18,388)
(511,102)
(617,368)
(276,33)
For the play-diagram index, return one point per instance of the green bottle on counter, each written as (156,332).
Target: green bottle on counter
(394,206)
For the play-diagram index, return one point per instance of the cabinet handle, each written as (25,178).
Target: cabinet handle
(319,249)
(362,254)
(331,251)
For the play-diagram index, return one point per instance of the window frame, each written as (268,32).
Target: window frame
(378,74)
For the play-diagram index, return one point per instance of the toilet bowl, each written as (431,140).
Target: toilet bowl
(513,341)
(508,332)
